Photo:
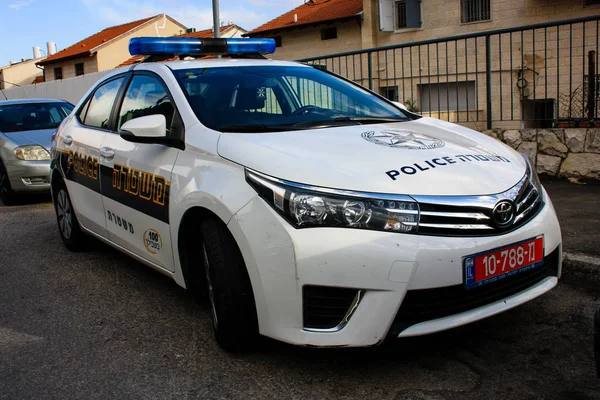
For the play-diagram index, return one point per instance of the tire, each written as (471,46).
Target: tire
(68,225)
(7,195)
(229,289)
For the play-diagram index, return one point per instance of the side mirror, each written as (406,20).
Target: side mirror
(152,129)
(400,105)
(150,126)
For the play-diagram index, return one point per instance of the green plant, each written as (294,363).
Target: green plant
(411,105)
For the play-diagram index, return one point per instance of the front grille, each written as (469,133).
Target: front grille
(326,307)
(474,215)
(429,304)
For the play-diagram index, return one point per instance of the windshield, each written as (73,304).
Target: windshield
(273,98)
(32,116)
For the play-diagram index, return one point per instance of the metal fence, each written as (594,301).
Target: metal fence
(541,75)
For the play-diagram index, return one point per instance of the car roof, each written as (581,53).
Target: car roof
(224,62)
(29,101)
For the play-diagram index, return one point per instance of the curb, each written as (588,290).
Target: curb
(582,270)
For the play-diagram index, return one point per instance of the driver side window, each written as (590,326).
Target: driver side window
(145,96)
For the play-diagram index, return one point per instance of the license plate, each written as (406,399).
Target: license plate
(500,263)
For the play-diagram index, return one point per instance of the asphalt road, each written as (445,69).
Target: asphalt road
(98,325)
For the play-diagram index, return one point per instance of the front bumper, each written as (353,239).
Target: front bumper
(283,261)
(28,176)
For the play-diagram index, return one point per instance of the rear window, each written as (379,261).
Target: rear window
(32,116)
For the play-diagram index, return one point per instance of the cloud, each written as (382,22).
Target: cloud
(20,4)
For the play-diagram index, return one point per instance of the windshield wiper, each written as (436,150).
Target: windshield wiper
(357,120)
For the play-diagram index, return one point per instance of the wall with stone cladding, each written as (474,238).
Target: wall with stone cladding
(571,153)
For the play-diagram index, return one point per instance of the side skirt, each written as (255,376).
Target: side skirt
(150,264)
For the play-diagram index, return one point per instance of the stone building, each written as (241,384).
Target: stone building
(538,76)
(106,49)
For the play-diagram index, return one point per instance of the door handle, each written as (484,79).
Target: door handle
(107,153)
(67,140)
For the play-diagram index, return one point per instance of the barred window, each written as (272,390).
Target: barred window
(407,14)
(475,10)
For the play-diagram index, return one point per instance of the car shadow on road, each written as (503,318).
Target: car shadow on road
(30,199)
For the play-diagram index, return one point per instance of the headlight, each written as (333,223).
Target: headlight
(307,206)
(32,153)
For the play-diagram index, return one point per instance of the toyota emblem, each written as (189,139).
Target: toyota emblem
(504,213)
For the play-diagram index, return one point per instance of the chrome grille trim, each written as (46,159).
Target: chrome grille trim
(455,226)
(476,216)
(473,215)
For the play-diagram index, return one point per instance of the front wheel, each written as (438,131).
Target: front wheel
(229,289)
(68,225)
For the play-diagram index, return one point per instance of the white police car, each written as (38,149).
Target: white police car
(309,209)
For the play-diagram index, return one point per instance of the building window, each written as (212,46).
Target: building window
(389,92)
(58,73)
(407,14)
(79,69)
(587,3)
(277,41)
(329,33)
(400,14)
(452,96)
(475,10)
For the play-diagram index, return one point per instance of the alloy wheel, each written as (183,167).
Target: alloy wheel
(211,293)
(64,213)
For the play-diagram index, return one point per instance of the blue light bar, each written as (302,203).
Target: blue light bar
(146,46)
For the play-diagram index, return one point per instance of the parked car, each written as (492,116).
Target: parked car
(308,208)
(26,128)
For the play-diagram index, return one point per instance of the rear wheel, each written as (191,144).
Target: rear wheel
(7,195)
(228,288)
(68,225)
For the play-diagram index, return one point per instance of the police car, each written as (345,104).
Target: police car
(307,208)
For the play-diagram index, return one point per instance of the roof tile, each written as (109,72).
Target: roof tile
(84,46)
(312,12)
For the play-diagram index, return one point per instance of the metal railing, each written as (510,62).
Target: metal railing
(528,76)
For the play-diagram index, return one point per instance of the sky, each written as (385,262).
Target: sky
(28,23)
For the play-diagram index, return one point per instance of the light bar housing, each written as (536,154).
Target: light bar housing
(177,46)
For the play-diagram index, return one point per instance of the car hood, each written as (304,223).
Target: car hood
(41,137)
(420,157)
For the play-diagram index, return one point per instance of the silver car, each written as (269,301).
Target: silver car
(26,129)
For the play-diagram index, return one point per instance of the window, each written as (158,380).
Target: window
(452,96)
(397,15)
(79,69)
(260,98)
(277,41)
(475,10)
(58,73)
(145,96)
(101,103)
(400,14)
(31,116)
(329,33)
(389,92)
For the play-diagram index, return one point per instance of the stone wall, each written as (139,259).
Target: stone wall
(571,153)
